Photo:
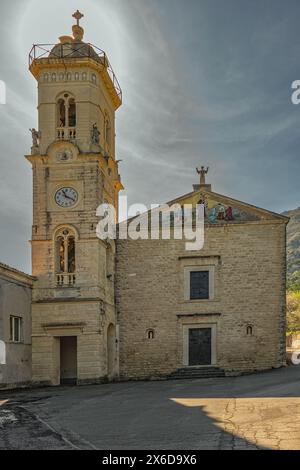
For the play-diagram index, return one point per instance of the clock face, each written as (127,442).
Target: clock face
(64,155)
(66,197)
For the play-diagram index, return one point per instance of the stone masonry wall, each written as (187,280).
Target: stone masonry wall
(249,278)
(86,321)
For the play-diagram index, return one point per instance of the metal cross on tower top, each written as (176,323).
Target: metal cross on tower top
(77,15)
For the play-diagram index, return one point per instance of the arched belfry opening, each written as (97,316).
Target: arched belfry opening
(65,256)
(61,113)
(72,113)
(66,116)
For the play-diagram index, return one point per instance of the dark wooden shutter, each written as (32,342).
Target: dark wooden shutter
(199,285)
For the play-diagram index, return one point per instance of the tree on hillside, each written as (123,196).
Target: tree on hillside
(293,282)
(293,312)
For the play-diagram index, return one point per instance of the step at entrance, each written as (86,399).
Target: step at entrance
(196,373)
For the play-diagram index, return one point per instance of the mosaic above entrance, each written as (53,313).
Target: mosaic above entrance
(217,212)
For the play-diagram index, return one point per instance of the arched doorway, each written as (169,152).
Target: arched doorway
(111,350)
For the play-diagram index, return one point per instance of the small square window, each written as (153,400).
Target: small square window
(16,329)
(199,285)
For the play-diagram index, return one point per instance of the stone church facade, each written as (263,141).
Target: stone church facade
(240,315)
(129,309)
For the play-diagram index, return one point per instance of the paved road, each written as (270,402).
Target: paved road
(250,412)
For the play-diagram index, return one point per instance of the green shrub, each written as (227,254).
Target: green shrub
(293,282)
(293,312)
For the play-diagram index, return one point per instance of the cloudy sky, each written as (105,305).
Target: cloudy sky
(204,82)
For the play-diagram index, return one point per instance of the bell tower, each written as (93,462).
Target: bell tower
(74,330)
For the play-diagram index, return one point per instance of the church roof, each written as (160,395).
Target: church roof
(224,209)
(218,209)
(15,275)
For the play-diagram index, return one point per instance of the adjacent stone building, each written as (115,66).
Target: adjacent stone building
(15,327)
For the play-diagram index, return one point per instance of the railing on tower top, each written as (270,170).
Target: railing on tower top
(82,50)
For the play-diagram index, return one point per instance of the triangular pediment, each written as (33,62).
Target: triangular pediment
(221,209)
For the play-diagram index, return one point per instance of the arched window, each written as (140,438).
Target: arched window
(249,330)
(66,111)
(65,251)
(150,334)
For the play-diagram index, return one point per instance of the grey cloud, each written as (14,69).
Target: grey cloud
(204,81)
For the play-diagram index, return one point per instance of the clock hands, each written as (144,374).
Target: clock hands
(68,197)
